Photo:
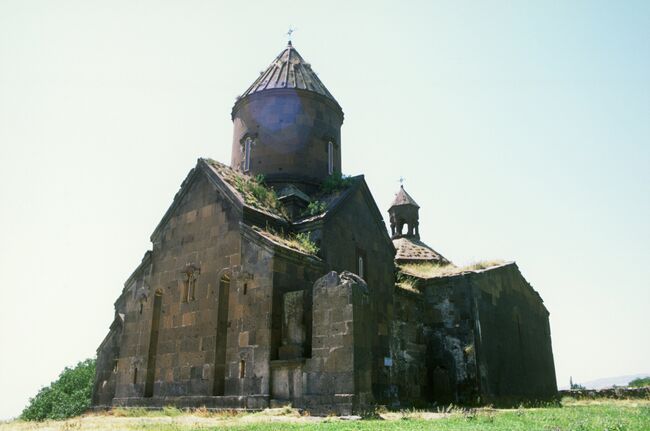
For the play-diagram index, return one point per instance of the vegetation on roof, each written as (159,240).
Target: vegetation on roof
(431,270)
(257,194)
(407,282)
(252,189)
(314,208)
(301,241)
(336,182)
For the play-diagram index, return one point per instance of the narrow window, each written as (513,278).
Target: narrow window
(141,307)
(115,365)
(221,336)
(245,288)
(153,345)
(186,290)
(192,288)
(330,158)
(360,267)
(247,153)
(242,369)
(135,375)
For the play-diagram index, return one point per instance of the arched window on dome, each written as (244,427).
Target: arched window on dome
(248,146)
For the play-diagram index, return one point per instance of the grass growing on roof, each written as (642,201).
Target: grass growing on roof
(257,194)
(252,189)
(430,270)
(314,208)
(336,182)
(301,241)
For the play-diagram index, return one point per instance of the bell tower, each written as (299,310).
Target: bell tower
(404,212)
(287,125)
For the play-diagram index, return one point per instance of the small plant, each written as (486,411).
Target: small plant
(336,182)
(407,282)
(314,208)
(301,241)
(304,239)
(256,194)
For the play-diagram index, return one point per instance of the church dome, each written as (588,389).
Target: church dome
(287,125)
(289,70)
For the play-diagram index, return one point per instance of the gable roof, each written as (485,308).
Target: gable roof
(337,200)
(414,250)
(227,181)
(289,70)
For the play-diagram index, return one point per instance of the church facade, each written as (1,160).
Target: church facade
(273,280)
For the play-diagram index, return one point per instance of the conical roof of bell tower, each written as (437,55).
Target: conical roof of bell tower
(289,70)
(403,198)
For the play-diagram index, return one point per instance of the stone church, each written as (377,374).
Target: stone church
(274,280)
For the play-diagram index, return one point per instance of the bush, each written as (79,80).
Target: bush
(640,382)
(336,182)
(315,208)
(70,395)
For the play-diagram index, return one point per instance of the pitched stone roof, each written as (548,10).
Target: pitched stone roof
(237,182)
(411,249)
(289,70)
(292,190)
(403,198)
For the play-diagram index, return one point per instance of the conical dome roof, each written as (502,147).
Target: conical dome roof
(289,70)
(403,198)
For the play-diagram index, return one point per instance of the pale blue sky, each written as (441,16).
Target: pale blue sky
(522,129)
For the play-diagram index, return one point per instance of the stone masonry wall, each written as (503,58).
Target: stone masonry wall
(203,231)
(514,340)
(338,374)
(351,232)
(487,339)
(432,344)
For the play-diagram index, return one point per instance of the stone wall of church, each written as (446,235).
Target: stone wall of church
(471,338)
(202,237)
(433,358)
(515,355)
(353,233)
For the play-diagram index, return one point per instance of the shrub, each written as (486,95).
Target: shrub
(640,382)
(304,239)
(257,194)
(314,208)
(335,182)
(70,395)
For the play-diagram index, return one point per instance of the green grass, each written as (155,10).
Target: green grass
(593,415)
(430,270)
(301,241)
